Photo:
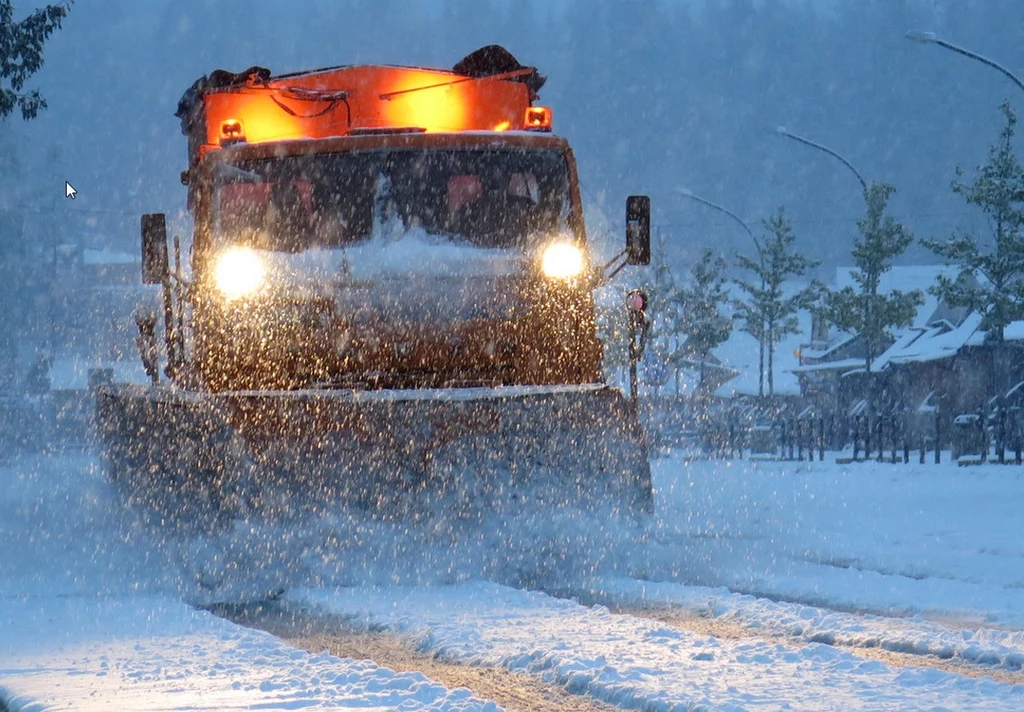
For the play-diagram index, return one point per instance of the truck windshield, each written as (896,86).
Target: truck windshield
(485,198)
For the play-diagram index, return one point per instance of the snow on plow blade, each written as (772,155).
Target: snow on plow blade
(397,454)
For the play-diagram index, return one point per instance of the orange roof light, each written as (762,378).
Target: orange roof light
(503,126)
(537,118)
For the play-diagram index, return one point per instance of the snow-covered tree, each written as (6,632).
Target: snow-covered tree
(665,339)
(990,280)
(866,310)
(766,312)
(21,55)
(697,309)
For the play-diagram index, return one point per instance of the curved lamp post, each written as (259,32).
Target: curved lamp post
(867,199)
(781,131)
(922,37)
(685,193)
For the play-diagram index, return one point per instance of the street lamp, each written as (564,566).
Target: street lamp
(685,193)
(922,37)
(781,131)
(867,199)
(929,38)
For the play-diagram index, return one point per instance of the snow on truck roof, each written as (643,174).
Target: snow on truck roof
(489,90)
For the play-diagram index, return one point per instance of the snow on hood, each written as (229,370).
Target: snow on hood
(392,255)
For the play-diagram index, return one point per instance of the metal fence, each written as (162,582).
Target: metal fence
(897,438)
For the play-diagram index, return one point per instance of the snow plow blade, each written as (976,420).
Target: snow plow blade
(394,454)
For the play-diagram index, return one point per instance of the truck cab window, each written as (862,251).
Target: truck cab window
(484,198)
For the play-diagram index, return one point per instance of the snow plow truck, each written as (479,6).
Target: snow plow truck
(387,303)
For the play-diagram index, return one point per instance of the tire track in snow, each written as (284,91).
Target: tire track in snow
(306,630)
(895,650)
(730,629)
(641,663)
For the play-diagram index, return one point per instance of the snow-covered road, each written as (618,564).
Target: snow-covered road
(148,653)
(640,664)
(925,561)
(725,613)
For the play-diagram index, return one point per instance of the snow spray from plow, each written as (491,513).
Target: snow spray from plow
(273,489)
(395,454)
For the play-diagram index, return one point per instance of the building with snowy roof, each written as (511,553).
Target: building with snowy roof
(942,360)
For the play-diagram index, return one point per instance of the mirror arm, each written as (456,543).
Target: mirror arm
(605,275)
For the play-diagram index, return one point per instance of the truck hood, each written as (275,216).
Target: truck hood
(411,256)
(411,280)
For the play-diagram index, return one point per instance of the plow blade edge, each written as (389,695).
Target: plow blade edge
(391,453)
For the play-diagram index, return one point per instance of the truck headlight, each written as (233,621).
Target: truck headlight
(238,272)
(562,260)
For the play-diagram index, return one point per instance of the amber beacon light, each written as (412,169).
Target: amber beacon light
(537,118)
(231,131)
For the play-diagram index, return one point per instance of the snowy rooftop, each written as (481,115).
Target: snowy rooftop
(933,342)
(905,278)
(931,336)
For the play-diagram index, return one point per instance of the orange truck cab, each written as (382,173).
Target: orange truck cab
(379,226)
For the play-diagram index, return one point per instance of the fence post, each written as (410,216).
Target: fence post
(867,437)
(821,439)
(880,435)
(1016,435)
(938,437)
(983,438)
(853,430)
(881,438)
(922,446)
(805,438)
(799,440)
(1001,435)
(893,433)
(905,432)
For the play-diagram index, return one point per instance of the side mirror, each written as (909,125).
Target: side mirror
(154,248)
(638,230)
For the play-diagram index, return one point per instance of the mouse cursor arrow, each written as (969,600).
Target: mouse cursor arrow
(69,192)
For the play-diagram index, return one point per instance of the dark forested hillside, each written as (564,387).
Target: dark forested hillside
(653,95)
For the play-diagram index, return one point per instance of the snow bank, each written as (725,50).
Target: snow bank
(637,663)
(150,653)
